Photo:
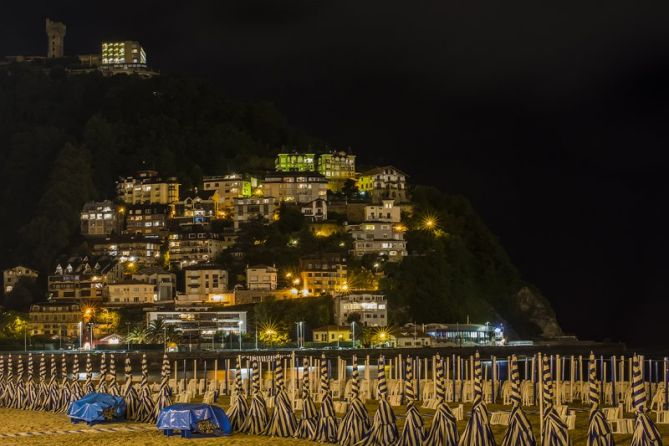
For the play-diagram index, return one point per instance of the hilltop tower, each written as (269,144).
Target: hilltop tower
(55,32)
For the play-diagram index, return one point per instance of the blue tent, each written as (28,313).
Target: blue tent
(194,419)
(97,407)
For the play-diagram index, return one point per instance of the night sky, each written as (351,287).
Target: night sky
(552,118)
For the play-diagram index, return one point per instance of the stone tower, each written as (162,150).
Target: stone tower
(55,31)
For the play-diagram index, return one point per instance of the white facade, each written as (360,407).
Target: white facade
(11,276)
(385,212)
(296,187)
(316,210)
(261,277)
(378,239)
(249,209)
(371,307)
(205,282)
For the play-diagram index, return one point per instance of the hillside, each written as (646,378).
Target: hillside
(64,140)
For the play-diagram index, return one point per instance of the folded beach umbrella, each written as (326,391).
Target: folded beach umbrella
(42,389)
(113,387)
(256,421)
(19,401)
(383,431)
(326,427)
(76,392)
(599,431)
(102,384)
(8,395)
(478,431)
(306,427)
(519,430)
(645,431)
(444,430)
(146,406)
(64,389)
(282,422)
(413,432)
(52,402)
(164,393)
(88,384)
(555,430)
(2,381)
(31,401)
(238,406)
(355,423)
(129,393)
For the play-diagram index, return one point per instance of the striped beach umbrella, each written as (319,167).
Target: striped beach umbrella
(645,432)
(256,421)
(8,394)
(52,402)
(326,427)
(76,392)
(413,432)
(306,428)
(129,393)
(102,384)
(519,430)
(355,423)
(444,430)
(19,400)
(555,430)
(599,431)
(478,431)
(239,408)
(2,381)
(31,401)
(64,390)
(383,431)
(282,422)
(113,388)
(146,405)
(88,384)
(164,392)
(42,389)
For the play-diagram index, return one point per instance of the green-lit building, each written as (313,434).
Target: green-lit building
(295,162)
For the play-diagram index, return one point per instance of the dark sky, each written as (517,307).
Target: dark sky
(551,117)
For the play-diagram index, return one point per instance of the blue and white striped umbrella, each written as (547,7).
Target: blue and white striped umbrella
(88,384)
(519,431)
(164,393)
(444,430)
(239,408)
(326,427)
(64,390)
(19,401)
(599,431)
(645,431)
(306,427)
(102,384)
(31,402)
(383,431)
(8,395)
(555,429)
(113,387)
(477,431)
(355,423)
(413,432)
(145,410)
(129,393)
(282,422)
(2,381)
(76,392)
(256,421)
(52,402)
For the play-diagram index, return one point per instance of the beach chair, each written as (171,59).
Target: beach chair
(459,412)
(208,397)
(340,407)
(500,418)
(662,416)
(622,426)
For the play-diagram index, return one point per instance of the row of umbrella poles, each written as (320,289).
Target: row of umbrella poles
(356,428)
(20,390)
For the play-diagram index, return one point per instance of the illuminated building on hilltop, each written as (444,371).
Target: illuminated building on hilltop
(147,219)
(322,274)
(100,218)
(370,309)
(142,249)
(261,277)
(295,162)
(57,319)
(250,209)
(295,187)
(205,283)
(197,207)
(130,292)
(82,278)
(231,186)
(147,187)
(55,32)
(123,57)
(336,167)
(190,247)
(11,276)
(385,182)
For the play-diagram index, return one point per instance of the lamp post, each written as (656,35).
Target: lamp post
(256,338)
(25,337)
(240,335)
(352,334)
(127,337)
(90,332)
(81,335)
(338,341)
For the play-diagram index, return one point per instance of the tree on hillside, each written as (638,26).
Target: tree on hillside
(24,293)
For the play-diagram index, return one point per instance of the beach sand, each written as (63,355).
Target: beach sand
(17,421)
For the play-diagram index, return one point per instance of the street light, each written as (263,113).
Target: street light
(353,334)
(338,341)
(127,338)
(240,335)
(81,334)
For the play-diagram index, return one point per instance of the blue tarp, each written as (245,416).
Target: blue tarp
(96,407)
(186,417)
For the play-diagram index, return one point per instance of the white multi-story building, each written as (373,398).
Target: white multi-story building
(231,186)
(204,282)
(261,277)
(295,187)
(249,209)
(147,188)
(100,218)
(336,167)
(187,248)
(165,282)
(11,276)
(385,182)
(371,308)
(378,238)
(385,212)
(316,210)
(202,322)
(129,293)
